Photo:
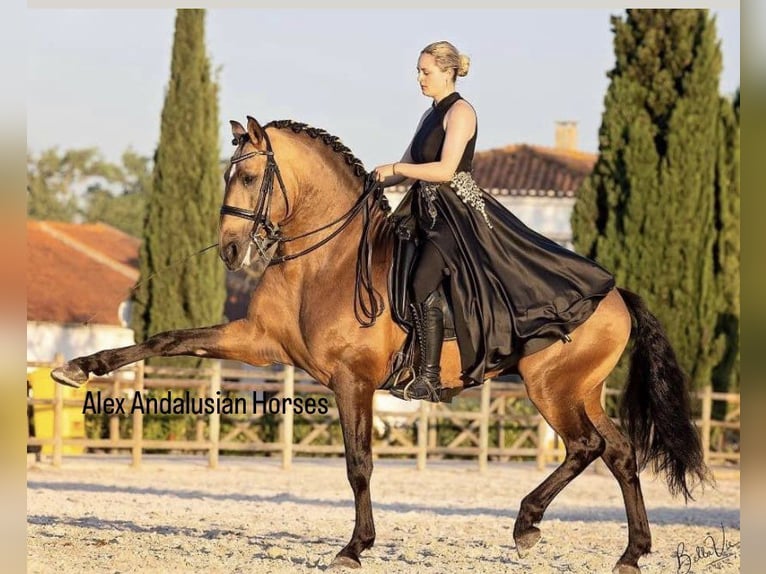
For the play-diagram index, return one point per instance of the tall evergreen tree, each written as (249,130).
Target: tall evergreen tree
(727,190)
(182,208)
(647,211)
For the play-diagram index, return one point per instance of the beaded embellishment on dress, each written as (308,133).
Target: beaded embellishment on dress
(469,192)
(429,194)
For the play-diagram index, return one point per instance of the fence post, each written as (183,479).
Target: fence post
(288,418)
(138,421)
(204,393)
(486,391)
(58,424)
(433,431)
(541,446)
(707,413)
(501,409)
(215,417)
(58,415)
(114,420)
(425,408)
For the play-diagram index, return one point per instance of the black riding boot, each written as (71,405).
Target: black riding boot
(429,330)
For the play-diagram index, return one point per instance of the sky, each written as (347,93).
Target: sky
(97,78)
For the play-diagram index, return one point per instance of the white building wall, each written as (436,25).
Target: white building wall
(45,339)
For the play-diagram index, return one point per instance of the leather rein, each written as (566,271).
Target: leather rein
(368,304)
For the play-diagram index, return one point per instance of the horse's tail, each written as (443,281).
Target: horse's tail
(655,407)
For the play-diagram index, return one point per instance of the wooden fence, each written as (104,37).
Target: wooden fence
(493,422)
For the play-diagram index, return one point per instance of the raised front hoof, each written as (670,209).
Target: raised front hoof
(526,541)
(626,569)
(70,375)
(345,562)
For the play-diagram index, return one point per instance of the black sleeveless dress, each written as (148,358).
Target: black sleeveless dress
(512,291)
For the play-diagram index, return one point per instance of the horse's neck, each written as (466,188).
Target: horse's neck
(327,190)
(339,255)
(314,293)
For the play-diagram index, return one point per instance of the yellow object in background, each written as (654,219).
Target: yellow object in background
(73,423)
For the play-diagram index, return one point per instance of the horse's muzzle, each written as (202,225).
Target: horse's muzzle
(233,255)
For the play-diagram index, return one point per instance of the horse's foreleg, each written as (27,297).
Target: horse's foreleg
(240,340)
(355,408)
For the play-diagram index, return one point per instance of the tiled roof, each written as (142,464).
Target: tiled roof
(78,273)
(528,170)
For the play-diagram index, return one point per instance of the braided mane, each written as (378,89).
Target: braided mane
(328,139)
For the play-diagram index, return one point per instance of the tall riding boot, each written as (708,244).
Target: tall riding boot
(429,329)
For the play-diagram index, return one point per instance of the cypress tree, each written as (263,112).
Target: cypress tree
(647,211)
(182,208)
(727,190)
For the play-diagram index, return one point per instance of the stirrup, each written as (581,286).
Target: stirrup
(424,390)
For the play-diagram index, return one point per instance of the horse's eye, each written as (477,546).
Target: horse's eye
(248,179)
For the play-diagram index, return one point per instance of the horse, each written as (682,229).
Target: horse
(328,242)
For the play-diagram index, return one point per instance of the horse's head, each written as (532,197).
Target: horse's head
(250,211)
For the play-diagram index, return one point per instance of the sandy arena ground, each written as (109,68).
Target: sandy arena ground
(176,515)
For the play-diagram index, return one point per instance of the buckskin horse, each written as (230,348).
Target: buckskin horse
(330,252)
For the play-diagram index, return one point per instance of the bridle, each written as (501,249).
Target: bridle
(268,244)
(261,215)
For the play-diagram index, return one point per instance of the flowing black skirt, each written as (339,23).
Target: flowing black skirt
(512,291)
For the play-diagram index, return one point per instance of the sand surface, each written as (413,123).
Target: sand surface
(97,514)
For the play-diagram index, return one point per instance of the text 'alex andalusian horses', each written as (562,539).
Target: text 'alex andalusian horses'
(299,195)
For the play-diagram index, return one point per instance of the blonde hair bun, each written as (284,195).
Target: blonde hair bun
(463,65)
(448,58)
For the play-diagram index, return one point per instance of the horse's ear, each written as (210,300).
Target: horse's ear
(237,130)
(256,133)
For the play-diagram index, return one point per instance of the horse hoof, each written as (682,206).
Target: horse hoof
(527,540)
(345,562)
(626,569)
(70,375)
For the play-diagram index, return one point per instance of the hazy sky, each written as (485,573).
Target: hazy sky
(96,78)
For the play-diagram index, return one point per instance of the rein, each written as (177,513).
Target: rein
(368,303)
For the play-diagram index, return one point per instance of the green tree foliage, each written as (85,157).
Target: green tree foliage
(54,179)
(648,210)
(182,209)
(79,185)
(123,208)
(727,220)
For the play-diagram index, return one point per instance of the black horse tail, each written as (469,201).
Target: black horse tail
(655,408)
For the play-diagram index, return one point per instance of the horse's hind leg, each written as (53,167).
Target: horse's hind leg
(240,340)
(583,446)
(354,401)
(620,457)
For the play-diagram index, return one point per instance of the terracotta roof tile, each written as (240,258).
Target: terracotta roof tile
(532,170)
(80,273)
(109,240)
(66,283)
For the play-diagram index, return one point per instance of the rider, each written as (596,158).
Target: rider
(511,291)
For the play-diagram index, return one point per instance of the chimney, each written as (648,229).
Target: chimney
(566,135)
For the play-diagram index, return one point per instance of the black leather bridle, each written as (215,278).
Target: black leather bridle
(261,215)
(268,244)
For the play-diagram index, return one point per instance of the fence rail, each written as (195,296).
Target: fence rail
(493,422)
